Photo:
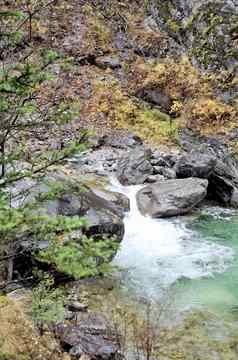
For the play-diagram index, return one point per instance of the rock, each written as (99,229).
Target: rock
(76,351)
(158,170)
(121,140)
(104,217)
(195,164)
(121,201)
(135,167)
(171,197)
(165,172)
(190,18)
(234,198)
(156,97)
(163,159)
(99,161)
(105,62)
(223,179)
(91,336)
(159,162)
(169,173)
(76,306)
(69,315)
(154,178)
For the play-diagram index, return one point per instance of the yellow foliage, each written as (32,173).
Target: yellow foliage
(209,114)
(4,301)
(19,337)
(98,34)
(121,112)
(177,80)
(146,39)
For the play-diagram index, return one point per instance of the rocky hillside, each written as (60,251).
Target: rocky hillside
(150,66)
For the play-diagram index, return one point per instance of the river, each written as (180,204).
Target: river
(192,259)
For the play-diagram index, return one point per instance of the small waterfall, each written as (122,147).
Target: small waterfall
(157,253)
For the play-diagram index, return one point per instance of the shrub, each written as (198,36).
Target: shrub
(208,114)
(179,81)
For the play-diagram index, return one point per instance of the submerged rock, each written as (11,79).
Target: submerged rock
(135,167)
(171,197)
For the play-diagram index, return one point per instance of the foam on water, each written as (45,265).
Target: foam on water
(157,253)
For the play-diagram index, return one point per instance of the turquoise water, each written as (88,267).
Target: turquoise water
(219,291)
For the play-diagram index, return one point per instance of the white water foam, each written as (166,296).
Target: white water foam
(159,252)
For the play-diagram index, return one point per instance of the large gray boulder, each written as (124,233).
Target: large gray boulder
(195,164)
(171,197)
(135,167)
(102,210)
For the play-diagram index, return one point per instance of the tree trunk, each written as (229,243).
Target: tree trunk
(2,163)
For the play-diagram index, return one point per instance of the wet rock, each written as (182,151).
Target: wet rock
(91,336)
(195,164)
(120,201)
(135,167)
(171,197)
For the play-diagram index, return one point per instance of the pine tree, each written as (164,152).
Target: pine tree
(24,68)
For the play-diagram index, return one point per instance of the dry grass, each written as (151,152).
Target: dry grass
(18,336)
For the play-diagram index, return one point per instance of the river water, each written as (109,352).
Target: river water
(194,258)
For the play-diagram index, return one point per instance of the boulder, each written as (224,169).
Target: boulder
(164,171)
(75,306)
(195,164)
(223,177)
(104,215)
(156,97)
(121,140)
(91,336)
(164,159)
(223,182)
(171,197)
(154,178)
(135,167)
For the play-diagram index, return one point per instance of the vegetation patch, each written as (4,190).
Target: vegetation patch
(121,111)
(209,115)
